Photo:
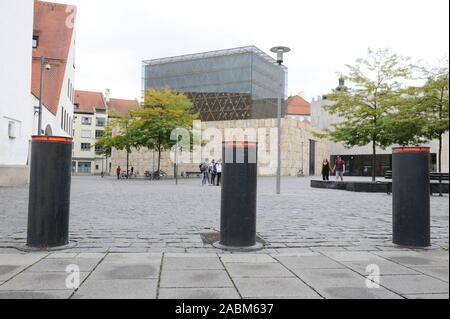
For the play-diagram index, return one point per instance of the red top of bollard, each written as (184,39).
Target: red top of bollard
(52,139)
(240,144)
(410,149)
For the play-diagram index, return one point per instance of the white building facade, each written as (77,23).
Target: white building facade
(16,109)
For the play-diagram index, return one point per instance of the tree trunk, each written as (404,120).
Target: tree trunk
(374,160)
(440,154)
(159,158)
(128,162)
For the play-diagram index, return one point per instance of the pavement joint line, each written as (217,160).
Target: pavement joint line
(413,269)
(381,285)
(23,270)
(87,277)
(232,281)
(158,286)
(298,277)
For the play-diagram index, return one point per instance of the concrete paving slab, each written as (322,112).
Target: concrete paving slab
(60,264)
(428,296)
(7,272)
(30,281)
(121,271)
(352,256)
(133,258)
(327,278)
(310,262)
(20,259)
(47,294)
(62,255)
(357,293)
(436,272)
(192,263)
(273,287)
(198,293)
(257,270)
(386,268)
(414,284)
(118,289)
(246,258)
(195,279)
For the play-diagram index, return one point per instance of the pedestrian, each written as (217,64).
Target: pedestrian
(219,172)
(213,172)
(118,170)
(204,172)
(339,168)
(326,169)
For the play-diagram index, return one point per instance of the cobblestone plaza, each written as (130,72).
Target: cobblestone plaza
(141,239)
(141,216)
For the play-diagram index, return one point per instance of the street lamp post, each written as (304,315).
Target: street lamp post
(177,132)
(280,51)
(44,66)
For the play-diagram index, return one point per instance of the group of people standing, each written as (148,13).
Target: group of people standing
(339,169)
(211,172)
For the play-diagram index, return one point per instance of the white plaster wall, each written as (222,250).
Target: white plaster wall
(16,31)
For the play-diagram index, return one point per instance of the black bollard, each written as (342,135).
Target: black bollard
(239,189)
(411,196)
(49,196)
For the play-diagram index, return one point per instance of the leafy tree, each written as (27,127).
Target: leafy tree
(377,89)
(162,112)
(119,135)
(434,105)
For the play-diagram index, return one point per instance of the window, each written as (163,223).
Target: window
(98,150)
(85,147)
(11,130)
(99,133)
(101,121)
(35,41)
(86,121)
(86,134)
(84,167)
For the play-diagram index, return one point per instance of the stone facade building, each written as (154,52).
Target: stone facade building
(301,149)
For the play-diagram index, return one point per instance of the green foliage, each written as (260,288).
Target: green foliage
(163,111)
(434,102)
(376,91)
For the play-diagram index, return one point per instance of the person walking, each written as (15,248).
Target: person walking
(213,172)
(326,169)
(219,172)
(339,168)
(204,172)
(118,170)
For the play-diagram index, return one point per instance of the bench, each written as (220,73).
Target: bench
(189,174)
(434,176)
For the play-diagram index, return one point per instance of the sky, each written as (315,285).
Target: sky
(114,37)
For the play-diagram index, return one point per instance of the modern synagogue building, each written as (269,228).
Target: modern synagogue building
(234,84)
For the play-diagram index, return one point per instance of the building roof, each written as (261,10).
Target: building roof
(55,38)
(210,54)
(296,105)
(121,107)
(89,101)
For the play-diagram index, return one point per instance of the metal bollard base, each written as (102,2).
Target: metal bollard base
(256,247)
(30,249)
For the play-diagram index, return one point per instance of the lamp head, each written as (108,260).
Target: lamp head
(280,51)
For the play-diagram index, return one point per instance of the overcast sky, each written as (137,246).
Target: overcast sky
(113,37)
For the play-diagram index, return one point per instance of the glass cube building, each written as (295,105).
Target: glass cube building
(233,84)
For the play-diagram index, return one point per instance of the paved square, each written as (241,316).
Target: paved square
(148,216)
(141,239)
